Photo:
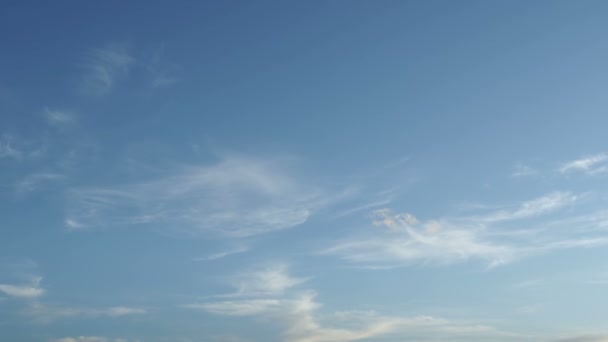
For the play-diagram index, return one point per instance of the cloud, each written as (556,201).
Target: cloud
(221,255)
(270,280)
(491,236)
(103,67)
(36,181)
(236,197)
(88,339)
(407,241)
(535,207)
(521,170)
(300,321)
(9,147)
(29,291)
(45,313)
(584,338)
(238,308)
(590,164)
(58,117)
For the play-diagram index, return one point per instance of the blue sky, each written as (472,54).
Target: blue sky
(312,171)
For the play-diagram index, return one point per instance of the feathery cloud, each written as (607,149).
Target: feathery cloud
(36,181)
(44,313)
(237,197)
(297,313)
(405,240)
(585,338)
(103,67)
(590,164)
(521,170)
(88,339)
(58,117)
(28,291)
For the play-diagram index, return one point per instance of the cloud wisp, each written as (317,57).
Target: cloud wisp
(236,197)
(44,313)
(25,291)
(297,313)
(591,165)
(88,339)
(104,66)
(490,237)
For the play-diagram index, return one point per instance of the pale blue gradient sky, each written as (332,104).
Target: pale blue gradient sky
(313,171)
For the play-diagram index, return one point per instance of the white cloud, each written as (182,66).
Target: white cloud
(493,237)
(300,321)
(88,339)
(103,67)
(122,311)
(44,313)
(36,181)
(265,281)
(584,338)
(590,164)
(409,241)
(246,307)
(522,170)
(29,291)
(236,197)
(58,117)
(221,255)
(9,147)
(535,207)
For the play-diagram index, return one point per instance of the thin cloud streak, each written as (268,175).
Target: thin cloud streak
(224,254)
(103,67)
(297,313)
(29,291)
(236,197)
(405,240)
(590,164)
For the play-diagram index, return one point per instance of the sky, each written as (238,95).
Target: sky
(303,171)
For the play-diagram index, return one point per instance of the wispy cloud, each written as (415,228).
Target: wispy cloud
(301,323)
(36,181)
(27,291)
(57,117)
(268,280)
(521,170)
(585,338)
(226,253)
(235,197)
(535,207)
(14,147)
(103,67)
(9,147)
(45,313)
(405,240)
(593,164)
(88,339)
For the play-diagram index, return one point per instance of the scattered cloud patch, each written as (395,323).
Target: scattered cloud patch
(300,321)
(496,237)
(45,313)
(224,254)
(590,165)
(9,147)
(28,291)
(104,66)
(584,338)
(236,197)
(88,339)
(522,170)
(407,240)
(58,117)
(37,181)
